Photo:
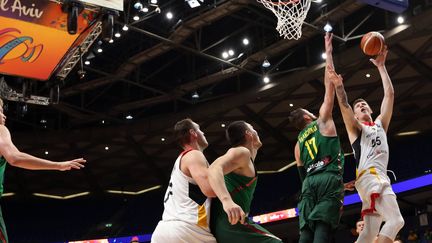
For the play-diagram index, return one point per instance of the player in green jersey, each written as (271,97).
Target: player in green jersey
(320,162)
(9,154)
(233,178)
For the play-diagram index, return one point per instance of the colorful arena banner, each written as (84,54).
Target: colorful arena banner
(128,239)
(34,37)
(276,216)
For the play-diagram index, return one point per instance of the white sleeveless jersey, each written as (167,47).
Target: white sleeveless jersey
(371,152)
(371,148)
(184,200)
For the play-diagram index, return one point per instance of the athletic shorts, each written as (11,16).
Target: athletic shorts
(369,185)
(249,232)
(180,232)
(321,200)
(3,234)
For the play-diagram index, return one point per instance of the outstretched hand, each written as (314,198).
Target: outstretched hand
(328,43)
(379,61)
(72,164)
(235,212)
(349,186)
(335,78)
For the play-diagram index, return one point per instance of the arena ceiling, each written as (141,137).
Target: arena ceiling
(154,68)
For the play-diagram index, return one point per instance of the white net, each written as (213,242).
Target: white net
(290,14)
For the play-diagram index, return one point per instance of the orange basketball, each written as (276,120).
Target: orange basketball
(372,43)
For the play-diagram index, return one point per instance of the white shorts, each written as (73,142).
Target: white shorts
(180,232)
(369,186)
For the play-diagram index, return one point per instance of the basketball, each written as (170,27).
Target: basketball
(372,43)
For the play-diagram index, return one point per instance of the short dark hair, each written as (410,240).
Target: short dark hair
(181,131)
(297,119)
(358,101)
(235,133)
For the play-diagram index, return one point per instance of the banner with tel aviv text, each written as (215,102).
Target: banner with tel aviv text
(34,37)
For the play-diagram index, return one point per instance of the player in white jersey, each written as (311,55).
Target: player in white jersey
(369,141)
(187,200)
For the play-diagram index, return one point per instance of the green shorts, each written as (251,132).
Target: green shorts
(249,232)
(3,234)
(321,200)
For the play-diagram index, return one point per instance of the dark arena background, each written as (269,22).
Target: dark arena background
(107,81)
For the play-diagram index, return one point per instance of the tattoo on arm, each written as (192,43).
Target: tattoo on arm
(341,94)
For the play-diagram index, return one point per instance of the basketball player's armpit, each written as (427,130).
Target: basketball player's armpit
(342,96)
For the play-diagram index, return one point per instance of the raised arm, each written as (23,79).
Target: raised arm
(234,159)
(388,100)
(195,164)
(23,160)
(300,165)
(351,124)
(325,112)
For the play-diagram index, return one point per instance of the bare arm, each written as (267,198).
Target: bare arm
(388,100)
(300,165)
(325,112)
(23,160)
(351,124)
(196,165)
(234,159)
(297,155)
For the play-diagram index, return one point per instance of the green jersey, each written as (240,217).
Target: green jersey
(320,153)
(241,189)
(2,172)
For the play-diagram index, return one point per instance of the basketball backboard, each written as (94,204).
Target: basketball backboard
(113,4)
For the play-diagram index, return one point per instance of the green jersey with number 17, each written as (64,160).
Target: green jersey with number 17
(319,153)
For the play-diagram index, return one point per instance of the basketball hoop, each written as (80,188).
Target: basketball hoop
(290,14)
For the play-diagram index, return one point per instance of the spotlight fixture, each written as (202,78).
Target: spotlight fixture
(99,50)
(169,15)
(111,41)
(324,55)
(195,95)
(153,1)
(117,34)
(368,75)
(265,63)
(108,24)
(400,20)
(73,9)
(194,3)
(125,28)
(245,41)
(162,139)
(87,62)
(231,52)
(145,10)
(266,80)
(106,148)
(291,104)
(328,27)
(136,17)
(138,5)
(225,55)
(129,117)
(46,152)
(81,73)
(223,125)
